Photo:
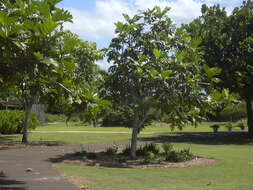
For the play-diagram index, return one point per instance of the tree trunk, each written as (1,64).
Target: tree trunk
(135,131)
(250,117)
(28,109)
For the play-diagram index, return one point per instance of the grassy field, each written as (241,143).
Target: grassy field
(232,172)
(61,132)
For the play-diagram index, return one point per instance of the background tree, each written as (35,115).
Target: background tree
(227,43)
(155,68)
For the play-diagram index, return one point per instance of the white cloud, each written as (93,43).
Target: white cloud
(98,23)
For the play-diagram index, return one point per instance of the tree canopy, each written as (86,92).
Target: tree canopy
(227,43)
(155,69)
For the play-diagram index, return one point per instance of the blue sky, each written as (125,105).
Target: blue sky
(94,19)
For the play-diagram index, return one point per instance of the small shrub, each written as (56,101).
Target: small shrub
(179,156)
(229,126)
(168,147)
(111,150)
(215,128)
(148,148)
(126,151)
(149,157)
(11,122)
(241,126)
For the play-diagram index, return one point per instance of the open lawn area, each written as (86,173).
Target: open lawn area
(232,173)
(234,170)
(80,134)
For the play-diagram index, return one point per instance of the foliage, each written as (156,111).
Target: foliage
(31,63)
(226,42)
(149,157)
(126,151)
(151,60)
(229,126)
(153,148)
(234,112)
(215,127)
(167,147)
(118,116)
(11,122)
(39,60)
(222,100)
(179,156)
(111,150)
(240,125)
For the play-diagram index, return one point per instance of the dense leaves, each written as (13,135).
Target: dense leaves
(226,41)
(155,70)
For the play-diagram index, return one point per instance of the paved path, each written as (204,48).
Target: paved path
(15,162)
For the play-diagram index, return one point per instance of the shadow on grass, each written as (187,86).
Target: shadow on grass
(9,184)
(207,138)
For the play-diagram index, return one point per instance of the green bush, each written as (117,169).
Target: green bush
(149,157)
(215,127)
(141,151)
(234,112)
(11,122)
(179,156)
(168,147)
(229,126)
(111,150)
(126,151)
(240,125)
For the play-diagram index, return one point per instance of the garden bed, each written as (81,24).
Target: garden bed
(149,156)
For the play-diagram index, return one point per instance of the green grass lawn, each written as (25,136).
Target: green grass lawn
(232,173)
(51,133)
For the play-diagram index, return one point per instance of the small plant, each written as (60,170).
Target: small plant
(241,126)
(111,150)
(126,151)
(168,147)
(149,157)
(179,156)
(148,148)
(215,128)
(229,126)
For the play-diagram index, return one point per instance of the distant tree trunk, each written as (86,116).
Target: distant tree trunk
(250,117)
(28,109)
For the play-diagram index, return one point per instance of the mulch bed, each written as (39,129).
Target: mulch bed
(104,160)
